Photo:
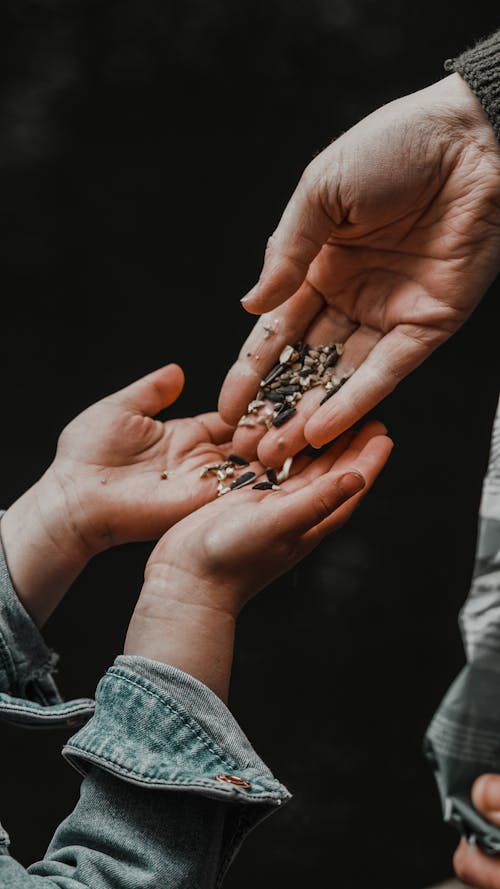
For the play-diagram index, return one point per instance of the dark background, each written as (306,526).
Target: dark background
(147,150)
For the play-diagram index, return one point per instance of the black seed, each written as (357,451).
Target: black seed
(334,390)
(273,478)
(288,390)
(332,359)
(277,369)
(303,352)
(283,416)
(328,395)
(244,479)
(273,395)
(262,486)
(306,371)
(240,461)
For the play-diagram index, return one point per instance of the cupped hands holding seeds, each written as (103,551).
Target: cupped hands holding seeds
(119,475)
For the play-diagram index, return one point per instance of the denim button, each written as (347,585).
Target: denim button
(234,779)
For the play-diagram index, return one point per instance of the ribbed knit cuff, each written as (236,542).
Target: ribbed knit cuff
(480,68)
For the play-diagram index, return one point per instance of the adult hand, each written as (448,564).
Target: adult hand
(206,567)
(107,486)
(388,243)
(471,865)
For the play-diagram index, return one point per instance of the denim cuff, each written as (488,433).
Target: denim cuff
(158,727)
(28,692)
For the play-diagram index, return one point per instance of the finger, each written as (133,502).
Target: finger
(370,463)
(293,435)
(246,439)
(341,454)
(157,390)
(475,868)
(486,797)
(303,229)
(218,431)
(312,504)
(262,348)
(391,359)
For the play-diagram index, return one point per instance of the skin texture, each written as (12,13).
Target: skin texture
(472,866)
(204,570)
(388,243)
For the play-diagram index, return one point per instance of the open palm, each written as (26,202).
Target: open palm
(389,242)
(129,476)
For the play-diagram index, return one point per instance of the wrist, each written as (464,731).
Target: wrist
(464,111)
(177,622)
(43,548)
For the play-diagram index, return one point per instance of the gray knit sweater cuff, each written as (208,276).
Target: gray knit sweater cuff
(480,68)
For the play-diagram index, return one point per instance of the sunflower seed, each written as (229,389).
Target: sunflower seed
(240,461)
(289,355)
(283,416)
(271,474)
(244,479)
(263,486)
(272,374)
(285,470)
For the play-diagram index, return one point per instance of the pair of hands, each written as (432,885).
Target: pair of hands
(105,487)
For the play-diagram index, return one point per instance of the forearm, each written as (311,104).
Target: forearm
(176,624)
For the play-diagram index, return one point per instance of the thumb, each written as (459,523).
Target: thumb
(157,390)
(302,230)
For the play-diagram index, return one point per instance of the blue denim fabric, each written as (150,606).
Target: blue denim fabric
(171,784)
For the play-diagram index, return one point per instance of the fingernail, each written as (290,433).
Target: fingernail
(350,483)
(251,293)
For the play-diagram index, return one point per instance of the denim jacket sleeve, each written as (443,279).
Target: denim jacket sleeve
(171,786)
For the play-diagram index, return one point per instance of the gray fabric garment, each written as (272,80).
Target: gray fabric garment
(463,740)
(480,68)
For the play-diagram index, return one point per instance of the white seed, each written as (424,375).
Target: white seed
(288,355)
(255,405)
(313,353)
(339,348)
(230,470)
(285,470)
(246,421)
(221,474)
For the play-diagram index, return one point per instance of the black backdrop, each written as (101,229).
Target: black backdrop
(147,150)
